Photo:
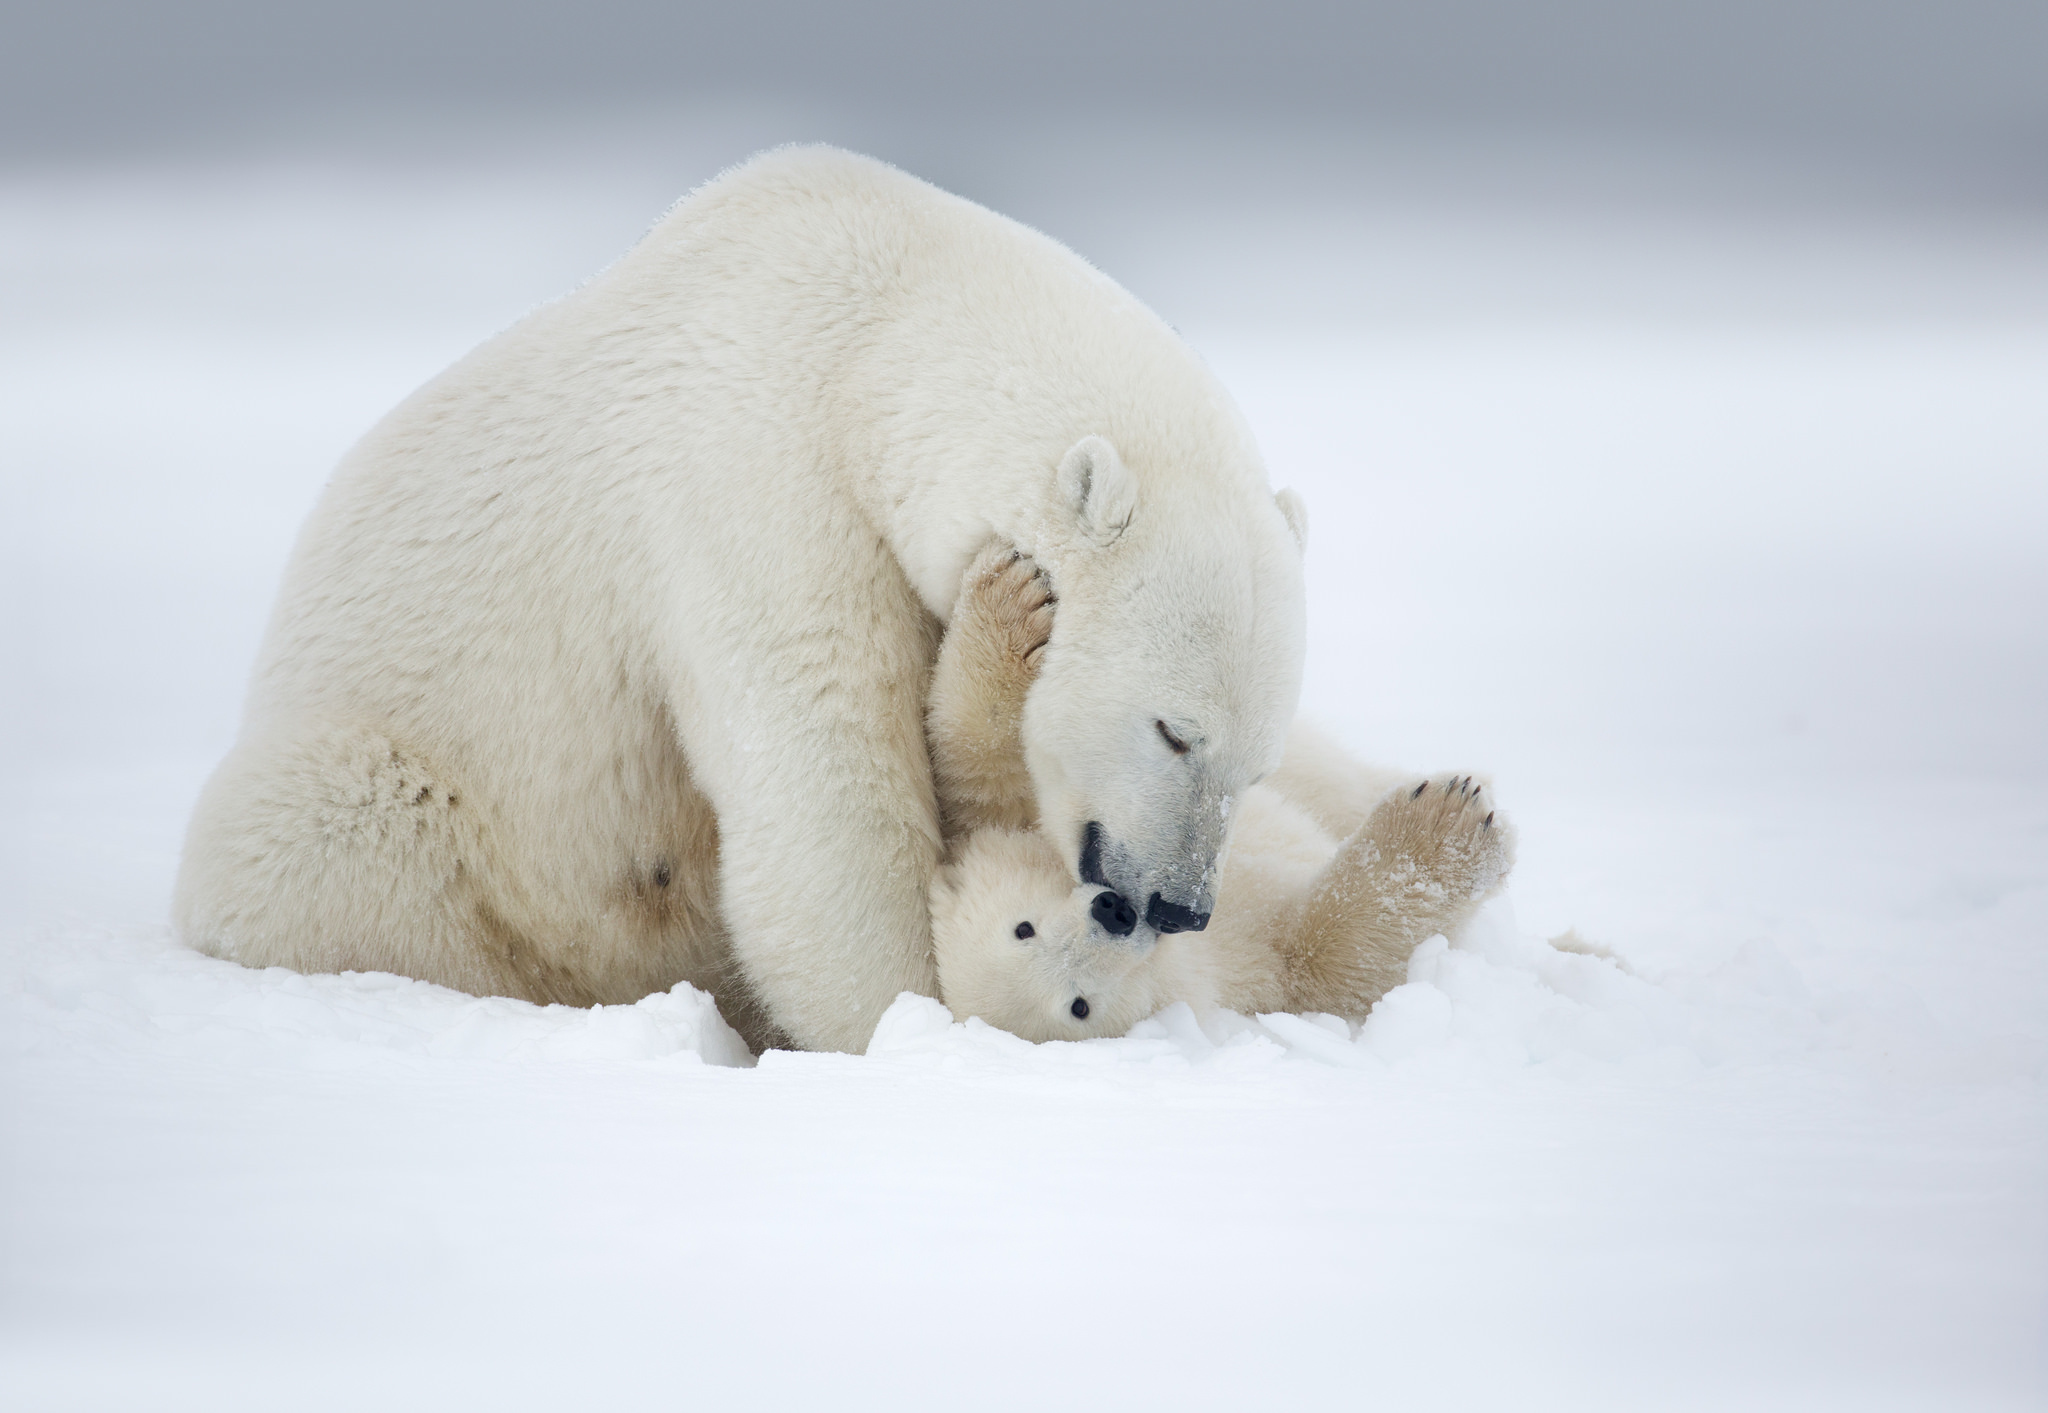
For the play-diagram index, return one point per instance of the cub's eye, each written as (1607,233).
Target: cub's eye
(1173,742)
(1024,930)
(1079,1008)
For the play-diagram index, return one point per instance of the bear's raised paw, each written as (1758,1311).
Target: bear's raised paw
(1444,833)
(1012,598)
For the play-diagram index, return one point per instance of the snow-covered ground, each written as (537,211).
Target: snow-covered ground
(1713,531)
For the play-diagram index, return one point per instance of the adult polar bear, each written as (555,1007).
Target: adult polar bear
(601,663)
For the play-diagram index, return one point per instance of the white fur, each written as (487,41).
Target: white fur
(602,662)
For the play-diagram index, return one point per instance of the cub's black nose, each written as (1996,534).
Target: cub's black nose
(1113,915)
(1172,917)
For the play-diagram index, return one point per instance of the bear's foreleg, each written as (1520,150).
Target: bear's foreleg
(974,718)
(809,742)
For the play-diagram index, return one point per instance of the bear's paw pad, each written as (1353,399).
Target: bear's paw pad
(1447,829)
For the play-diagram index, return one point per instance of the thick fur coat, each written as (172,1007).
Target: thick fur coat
(602,662)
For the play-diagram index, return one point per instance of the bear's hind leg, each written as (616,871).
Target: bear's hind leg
(1427,855)
(333,849)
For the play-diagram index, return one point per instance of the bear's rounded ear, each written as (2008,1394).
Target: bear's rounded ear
(1102,491)
(1295,511)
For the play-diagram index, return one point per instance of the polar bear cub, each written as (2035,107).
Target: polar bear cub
(1335,873)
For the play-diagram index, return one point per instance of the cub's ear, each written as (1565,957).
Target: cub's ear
(1295,510)
(1095,482)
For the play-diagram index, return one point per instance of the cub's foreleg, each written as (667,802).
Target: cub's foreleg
(974,716)
(1427,855)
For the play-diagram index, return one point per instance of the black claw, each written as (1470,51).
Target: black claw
(1416,793)
(1488,822)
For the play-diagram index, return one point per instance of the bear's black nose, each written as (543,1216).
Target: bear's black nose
(1113,915)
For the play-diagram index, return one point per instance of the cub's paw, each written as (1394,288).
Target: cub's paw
(1007,597)
(1444,836)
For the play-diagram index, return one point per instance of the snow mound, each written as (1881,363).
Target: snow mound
(143,991)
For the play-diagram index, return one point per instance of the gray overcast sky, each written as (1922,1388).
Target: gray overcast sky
(1959,80)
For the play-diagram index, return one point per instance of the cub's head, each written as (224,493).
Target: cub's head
(1020,946)
(1170,678)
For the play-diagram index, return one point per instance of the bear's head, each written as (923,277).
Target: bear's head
(1018,945)
(1170,678)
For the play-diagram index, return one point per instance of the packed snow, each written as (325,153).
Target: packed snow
(1713,534)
